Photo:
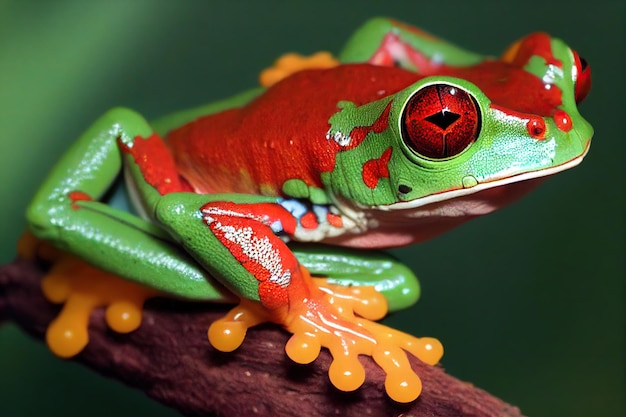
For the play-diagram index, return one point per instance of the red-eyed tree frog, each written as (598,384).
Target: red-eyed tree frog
(283,197)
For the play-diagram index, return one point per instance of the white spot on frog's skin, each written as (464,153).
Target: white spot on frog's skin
(217,211)
(552,74)
(117,132)
(259,250)
(339,137)
(276,226)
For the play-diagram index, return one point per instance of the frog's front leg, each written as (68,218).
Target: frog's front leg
(236,238)
(68,213)
(96,243)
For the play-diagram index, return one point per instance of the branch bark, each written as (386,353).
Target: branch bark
(170,359)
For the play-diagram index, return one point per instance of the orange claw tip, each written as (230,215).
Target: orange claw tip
(303,349)
(403,387)
(65,340)
(123,317)
(56,288)
(428,349)
(346,374)
(226,336)
(432,350)
(373,305)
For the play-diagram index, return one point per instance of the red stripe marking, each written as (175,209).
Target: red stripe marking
(334,220)
(375,169)
(78,196)
(309,221)
(358,134)
(156,163)
(562,121)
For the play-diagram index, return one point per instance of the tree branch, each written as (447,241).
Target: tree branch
(170,359)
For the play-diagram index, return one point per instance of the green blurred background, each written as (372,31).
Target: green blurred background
(529,301)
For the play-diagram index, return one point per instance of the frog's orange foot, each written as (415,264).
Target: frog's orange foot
(291,63)
(227,334)
(327,319)
(365,301)
(31,247)
(82,288)
(329,322)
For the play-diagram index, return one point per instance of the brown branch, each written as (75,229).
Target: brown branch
(171,360)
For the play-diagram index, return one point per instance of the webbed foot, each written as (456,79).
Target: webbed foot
(335,318)
(81,288)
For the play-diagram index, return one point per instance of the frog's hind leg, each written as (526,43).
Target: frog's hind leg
(67,210)
(365,274)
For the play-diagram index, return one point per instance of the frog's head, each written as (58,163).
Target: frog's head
(464,142)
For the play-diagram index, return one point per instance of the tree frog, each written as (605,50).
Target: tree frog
(282,197)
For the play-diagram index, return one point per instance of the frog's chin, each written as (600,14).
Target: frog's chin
(412,208)
(396,228)
(405,223)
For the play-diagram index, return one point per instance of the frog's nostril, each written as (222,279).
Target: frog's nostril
(404,189)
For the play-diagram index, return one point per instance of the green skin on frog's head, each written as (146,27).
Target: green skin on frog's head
(438,151)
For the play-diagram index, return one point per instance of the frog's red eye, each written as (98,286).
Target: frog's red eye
(583,78)
(440,121)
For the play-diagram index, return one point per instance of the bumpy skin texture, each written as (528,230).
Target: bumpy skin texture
(398,140)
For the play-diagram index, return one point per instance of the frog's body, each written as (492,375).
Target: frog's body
(402,139)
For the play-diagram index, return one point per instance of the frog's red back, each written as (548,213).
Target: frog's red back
(280,135)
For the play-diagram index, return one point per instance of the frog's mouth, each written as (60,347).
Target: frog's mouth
(469,210)
(409,222)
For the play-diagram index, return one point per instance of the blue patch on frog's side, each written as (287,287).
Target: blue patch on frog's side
(119,198)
